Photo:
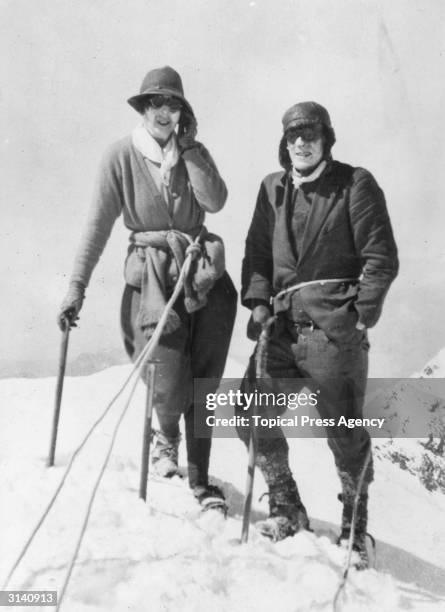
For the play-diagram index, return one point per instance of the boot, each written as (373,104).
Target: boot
(287,515)
(347,498)
(164,457)
(210,497)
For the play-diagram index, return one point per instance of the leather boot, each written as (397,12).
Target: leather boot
(287,514)
(347,497)
(164,457)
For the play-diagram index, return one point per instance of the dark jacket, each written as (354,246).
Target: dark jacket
(348,234)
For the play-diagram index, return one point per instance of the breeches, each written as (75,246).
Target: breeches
(337,370)
(197,349)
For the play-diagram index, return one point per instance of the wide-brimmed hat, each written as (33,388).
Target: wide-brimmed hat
(160,81)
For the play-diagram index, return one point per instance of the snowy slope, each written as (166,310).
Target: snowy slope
(434,368)
(165,555)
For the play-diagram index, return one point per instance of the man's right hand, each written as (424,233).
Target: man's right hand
(71,306)
(260,314)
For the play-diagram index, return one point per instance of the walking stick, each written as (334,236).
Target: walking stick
(260,366)
(147,429)
(59,389)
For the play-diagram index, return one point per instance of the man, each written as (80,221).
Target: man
(320,255)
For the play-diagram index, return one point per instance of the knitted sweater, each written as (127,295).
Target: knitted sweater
(125,185)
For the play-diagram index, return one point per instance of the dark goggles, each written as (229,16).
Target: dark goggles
(308,133)
(158,101)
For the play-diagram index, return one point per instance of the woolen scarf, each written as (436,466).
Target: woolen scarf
(298,179)
(166,157)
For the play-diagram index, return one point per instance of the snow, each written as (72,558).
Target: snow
(166,555)
(434,368)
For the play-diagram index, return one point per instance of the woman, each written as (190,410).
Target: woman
(163,182)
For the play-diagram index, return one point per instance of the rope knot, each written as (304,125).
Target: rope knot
(193,249)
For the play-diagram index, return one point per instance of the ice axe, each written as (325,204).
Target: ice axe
(59,389)
(146,440)
(260,369)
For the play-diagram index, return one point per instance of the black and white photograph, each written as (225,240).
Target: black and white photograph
(222,375)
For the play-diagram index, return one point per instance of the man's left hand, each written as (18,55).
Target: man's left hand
(360,326)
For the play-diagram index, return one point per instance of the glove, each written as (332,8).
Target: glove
(71,305)
(260,314)
(187,140)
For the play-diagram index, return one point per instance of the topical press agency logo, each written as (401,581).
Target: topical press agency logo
(291,401)
(388,407)
(304,412)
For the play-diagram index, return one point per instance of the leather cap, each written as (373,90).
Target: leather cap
(306,113)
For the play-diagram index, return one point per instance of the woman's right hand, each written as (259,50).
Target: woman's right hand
(71,306)
(187,139)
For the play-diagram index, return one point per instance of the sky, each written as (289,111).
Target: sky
(68,67)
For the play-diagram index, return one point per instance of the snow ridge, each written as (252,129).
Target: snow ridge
(166,554)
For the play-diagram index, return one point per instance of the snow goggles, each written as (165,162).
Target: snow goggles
(158,101)
(308,133)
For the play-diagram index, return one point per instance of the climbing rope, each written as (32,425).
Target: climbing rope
(92,498)
(144,356)
(347,566)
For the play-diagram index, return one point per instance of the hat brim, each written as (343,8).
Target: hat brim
(137,102)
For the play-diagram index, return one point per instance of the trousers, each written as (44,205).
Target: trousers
(197,349)
(338,370)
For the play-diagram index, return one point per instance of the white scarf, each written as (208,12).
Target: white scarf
(166,157)
(297,179)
